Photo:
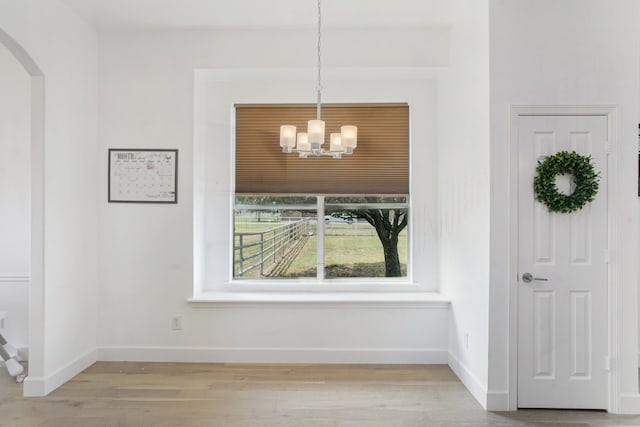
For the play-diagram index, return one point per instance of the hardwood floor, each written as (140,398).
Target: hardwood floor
(172,394)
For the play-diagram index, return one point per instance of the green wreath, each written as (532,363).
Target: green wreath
(565,163)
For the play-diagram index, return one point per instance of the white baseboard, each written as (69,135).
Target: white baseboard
(491,400)
(41,386)
(273,355)
(498,401)
(470,381)
(630,403)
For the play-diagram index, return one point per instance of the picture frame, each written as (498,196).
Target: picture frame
(143,175)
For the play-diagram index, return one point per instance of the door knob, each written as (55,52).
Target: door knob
(528,277)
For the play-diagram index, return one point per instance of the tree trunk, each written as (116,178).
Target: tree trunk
(388,225)
(391,258)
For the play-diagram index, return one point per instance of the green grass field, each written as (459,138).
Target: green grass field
(346,256)
(351,250)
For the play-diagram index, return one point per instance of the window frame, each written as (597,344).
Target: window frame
(320,282)
(217,91)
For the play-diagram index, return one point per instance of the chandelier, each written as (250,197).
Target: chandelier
(310,142)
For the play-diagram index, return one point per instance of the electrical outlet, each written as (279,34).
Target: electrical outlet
(176,323)
(466,340)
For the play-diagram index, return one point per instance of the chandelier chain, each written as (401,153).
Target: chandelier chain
(319,86)
(310,143)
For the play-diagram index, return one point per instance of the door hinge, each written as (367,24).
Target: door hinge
(607,256)
(607,364)
(608,147)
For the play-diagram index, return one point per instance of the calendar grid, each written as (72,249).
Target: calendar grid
(143,176)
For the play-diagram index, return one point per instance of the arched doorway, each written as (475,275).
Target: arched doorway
(36,262)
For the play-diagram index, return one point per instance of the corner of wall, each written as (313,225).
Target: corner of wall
(42,386)
(470,381)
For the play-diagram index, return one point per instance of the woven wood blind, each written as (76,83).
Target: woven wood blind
(380,164)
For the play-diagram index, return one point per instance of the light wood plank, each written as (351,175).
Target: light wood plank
(254,395)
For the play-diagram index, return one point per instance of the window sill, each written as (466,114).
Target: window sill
(321,299)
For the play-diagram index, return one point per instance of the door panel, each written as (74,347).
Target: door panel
(562,313)
(545,332)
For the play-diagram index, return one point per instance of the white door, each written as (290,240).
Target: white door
(562,312)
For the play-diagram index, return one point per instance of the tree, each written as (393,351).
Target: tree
(388,224)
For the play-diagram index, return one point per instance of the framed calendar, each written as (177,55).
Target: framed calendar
(143,176)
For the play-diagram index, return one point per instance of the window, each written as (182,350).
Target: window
(320,218)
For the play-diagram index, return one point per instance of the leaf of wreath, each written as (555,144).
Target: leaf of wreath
(565,163)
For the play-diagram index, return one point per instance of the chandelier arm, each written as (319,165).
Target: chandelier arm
(321,152)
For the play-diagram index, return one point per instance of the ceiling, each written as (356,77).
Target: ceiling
(229,14)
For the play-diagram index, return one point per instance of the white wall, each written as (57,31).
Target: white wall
(14,166)
(569,52)
(147,100)
(15,87)
(463,186)
(62,334)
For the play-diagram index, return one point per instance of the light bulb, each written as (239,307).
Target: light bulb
(335,142)
(349,137)
(315,130)
(287,137)
(303,142)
